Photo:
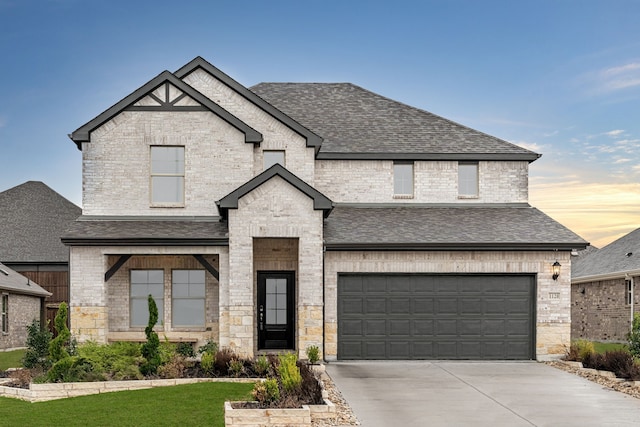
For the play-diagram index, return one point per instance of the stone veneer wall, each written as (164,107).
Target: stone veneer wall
(92,300)
(23,309)
(600,313)
(274,210)
(371,181)
(553,317)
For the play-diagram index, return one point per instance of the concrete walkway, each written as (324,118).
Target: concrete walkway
(492,394)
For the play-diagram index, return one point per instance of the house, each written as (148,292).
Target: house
(34,218)
(21,302)
(603,290)
(287,215)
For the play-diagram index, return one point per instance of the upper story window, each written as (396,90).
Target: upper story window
(271,157)
(167,176)
(403,179)
(628,294)
(467,179)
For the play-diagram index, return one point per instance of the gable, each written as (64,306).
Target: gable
(230,201)
(165,92)
(198,63)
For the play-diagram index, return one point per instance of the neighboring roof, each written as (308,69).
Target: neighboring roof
(358,124)
(88,231)
(230,201)
(83,133)
(34,217)
(313,140)
(11,281)
(433,227)
(614,260)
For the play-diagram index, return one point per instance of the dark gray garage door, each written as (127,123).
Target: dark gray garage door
(474,317)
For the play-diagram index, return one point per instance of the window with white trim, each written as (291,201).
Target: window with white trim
(143,284)
(628,294)
(5,313)
(167,176)
(271,157)
(468,179)
(188,298)
(403,179)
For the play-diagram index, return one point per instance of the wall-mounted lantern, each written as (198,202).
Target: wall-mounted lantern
(555,268)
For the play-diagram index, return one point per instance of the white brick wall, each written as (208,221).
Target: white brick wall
(371,181)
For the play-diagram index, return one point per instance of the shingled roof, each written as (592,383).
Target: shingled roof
(503,227)
(358,124)
(14,282)
(616,259)
(34,217)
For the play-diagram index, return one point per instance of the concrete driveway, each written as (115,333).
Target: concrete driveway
(405,394)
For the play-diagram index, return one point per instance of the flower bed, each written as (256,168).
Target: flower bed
(242,414)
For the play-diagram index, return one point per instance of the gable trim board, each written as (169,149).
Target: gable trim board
(83,133)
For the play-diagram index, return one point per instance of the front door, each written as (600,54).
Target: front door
(276,310)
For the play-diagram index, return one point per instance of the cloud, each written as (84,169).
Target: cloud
(614,133)
(532,146)
(618,161)
(613,79)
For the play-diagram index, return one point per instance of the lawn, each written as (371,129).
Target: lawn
(603,347)
(11,359)
(185,405)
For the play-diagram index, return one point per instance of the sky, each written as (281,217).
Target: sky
(560,77)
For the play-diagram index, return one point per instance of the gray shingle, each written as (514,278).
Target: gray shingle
(354,120)
(442,227)
(14,282)
(146,232)
(610,259)
(32,220)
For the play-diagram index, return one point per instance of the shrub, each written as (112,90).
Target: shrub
(185,349)
(209,347)
(580,350)
(222,360)
(261,365)
(174,368)
(266,392)
(73,369)
(621,363)
(289,373)
(57,346)
(236,367)
(594,361)
(634,337)
(150,349)
(208,363)
(310,389)
(313,354)
(38,339)
(118,361)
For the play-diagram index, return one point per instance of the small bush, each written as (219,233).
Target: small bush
(261,365)
(310,389)
(266,392)
(37,353)
(594,361)
(57,346)
(621,363)
(289,373)
(73,369)
(223,357)
(117,361)
(185,349)
(150,349)
(236,367)
(313,354)
(208,363)
(209,347)
(174,368)
(580,350)
(634,337)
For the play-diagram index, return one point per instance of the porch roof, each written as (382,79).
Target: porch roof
(446,227)
(172,232)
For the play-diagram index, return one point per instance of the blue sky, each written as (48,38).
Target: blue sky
(559,77)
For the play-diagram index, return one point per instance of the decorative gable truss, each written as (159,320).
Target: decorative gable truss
(165,92)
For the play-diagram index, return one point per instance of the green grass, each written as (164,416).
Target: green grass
(11,359)
(603,347)
(184,405)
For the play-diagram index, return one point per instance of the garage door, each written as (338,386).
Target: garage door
(476,317)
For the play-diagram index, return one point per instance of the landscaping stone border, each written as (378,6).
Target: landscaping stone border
(53,391)
(301,417)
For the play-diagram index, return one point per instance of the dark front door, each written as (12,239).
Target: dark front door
(276,310)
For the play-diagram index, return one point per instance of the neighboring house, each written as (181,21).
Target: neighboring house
(604,291)
(21,302)
(297,214)
(33,219)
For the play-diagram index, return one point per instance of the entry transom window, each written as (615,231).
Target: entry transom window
(467,179)
(167,175)
(188,298)
(143,284)
(403,179)
(271,157)
(5,313)
(276,301)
